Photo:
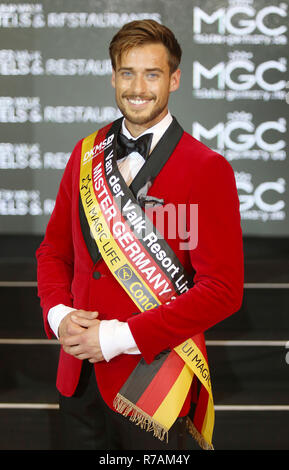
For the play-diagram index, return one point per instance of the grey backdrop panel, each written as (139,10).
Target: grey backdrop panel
(55,89)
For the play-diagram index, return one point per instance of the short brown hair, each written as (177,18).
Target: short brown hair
(138,33)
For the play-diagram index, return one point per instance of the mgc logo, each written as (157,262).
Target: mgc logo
(241,73)
(243,19)
(240,133)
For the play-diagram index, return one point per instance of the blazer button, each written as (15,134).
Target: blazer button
(96,275)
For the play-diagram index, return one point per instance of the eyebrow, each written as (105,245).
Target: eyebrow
(154,69)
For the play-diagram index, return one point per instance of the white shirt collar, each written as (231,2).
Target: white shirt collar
(158,130)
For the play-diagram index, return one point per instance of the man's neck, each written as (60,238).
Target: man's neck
(158,126)
(136,130)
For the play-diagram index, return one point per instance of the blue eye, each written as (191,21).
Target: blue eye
(126,74)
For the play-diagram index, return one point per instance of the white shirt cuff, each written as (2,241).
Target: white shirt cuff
(115,338)
(56,314)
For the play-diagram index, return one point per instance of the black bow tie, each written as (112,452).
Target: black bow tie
(126,146)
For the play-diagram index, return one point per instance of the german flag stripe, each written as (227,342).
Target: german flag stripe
(175,398)
(201,409)
(141,378)
(160,385)
(209,421)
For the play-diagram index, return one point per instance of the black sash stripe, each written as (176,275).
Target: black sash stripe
(141,377)
(89,240)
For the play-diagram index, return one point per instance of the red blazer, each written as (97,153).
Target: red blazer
(193,174)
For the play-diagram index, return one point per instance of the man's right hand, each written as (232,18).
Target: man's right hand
(68,327)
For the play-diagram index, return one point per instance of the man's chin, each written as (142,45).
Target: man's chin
(135,117)
(141,119)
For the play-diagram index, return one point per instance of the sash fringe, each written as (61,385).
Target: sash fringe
(146,422)
(197,435)
(139,417)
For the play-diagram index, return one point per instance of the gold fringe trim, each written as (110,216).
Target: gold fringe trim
(198,436)
(139,417)
(146,422)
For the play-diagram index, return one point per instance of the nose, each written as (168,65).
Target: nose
(138,85)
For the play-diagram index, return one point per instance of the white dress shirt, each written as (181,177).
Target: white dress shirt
(114,336)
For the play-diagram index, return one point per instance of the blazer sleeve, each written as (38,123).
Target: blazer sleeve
(55,255)
(218,264)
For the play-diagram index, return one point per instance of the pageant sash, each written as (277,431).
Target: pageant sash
(150,273)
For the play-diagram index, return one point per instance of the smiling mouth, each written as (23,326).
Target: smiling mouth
(138,101)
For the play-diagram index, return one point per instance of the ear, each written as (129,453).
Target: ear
(113,78)
(175,80)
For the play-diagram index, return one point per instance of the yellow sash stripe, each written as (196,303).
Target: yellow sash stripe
(195,361)
(173,403)
(209,421)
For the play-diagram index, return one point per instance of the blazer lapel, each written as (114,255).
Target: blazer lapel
(158,157)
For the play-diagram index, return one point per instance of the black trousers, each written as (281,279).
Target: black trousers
(87,423)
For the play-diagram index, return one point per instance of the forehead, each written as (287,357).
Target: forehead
(145,56)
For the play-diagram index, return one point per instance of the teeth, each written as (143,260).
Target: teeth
(137,101)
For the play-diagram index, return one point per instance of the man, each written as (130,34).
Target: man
(128,302)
